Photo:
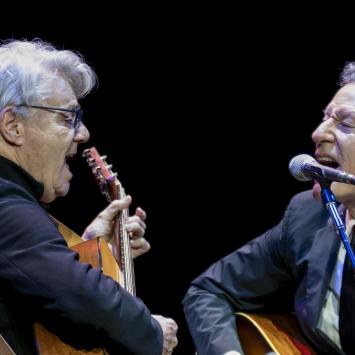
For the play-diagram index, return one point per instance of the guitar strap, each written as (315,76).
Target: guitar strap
(347,305)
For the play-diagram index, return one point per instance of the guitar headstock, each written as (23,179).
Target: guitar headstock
(104,176)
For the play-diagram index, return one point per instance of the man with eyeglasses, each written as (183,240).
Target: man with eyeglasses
(73,120)
(41,279)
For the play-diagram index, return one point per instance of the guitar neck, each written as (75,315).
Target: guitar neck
(112,189)
(122,248)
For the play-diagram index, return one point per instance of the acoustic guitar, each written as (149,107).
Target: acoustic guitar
(5,348)
(262,334)
(114,259)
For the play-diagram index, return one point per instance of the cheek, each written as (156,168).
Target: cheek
(344,193)
(348,154)
(350,168)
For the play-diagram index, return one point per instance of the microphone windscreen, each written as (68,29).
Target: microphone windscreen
(296,166)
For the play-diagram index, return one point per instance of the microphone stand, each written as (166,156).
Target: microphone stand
(329,202)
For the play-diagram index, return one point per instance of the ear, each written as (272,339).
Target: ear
(11,127)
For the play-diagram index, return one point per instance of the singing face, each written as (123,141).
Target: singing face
(335,140)
(49,140)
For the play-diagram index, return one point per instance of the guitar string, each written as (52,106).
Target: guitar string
(127,257)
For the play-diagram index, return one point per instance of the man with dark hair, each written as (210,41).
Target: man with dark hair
(299,265)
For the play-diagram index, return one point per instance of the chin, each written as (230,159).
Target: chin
(63,190)
(50,194)
(344,193)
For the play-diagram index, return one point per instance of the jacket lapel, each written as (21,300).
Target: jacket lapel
(322,259)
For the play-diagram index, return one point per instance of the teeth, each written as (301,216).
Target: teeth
(325,159)
(328,162)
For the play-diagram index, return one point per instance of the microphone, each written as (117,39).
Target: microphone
(304,168)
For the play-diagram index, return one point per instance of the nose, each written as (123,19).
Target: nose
(324,132)
(82,135)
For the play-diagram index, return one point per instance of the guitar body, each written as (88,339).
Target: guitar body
(5,348)
(97,253)
(266,333)
(50,344)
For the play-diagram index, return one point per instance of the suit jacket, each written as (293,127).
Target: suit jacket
(286,268)
(42,280)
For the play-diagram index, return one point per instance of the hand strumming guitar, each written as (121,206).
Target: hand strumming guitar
(169,328)
(103,224)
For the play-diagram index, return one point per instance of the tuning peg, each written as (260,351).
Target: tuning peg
(91,162)
(102,184)
(103,157)
(97,171)
(107,195)
(86,153)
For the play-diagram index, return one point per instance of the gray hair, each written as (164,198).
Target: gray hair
(27,69)
(348,74)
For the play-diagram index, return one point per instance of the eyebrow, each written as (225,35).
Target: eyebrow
(327,111)
(342,111)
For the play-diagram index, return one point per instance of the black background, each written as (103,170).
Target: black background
(199,113)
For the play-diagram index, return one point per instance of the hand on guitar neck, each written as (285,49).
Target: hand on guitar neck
(103,224)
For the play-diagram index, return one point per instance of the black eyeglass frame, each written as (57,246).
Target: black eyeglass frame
(78,113)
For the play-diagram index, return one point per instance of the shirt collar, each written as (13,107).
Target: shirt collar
(14,173)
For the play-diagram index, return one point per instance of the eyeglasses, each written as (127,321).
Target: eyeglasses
(78,114)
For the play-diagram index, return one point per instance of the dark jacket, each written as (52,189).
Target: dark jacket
(41,279)
(287,268)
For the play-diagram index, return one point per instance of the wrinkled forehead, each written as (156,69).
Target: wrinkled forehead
(60,94)
(344,99)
